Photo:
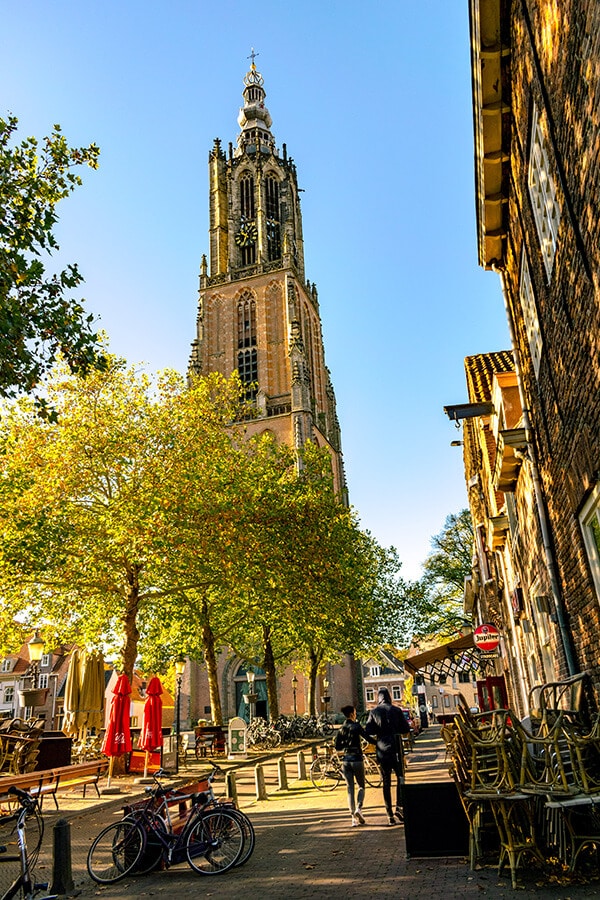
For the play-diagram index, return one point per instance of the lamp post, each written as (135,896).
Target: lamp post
(294,688)
(35,648)
(252,697)
(325,698)
(179,670)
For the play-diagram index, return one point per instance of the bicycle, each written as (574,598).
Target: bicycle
(326,771)
(211,841)
(157,804)
(27,820)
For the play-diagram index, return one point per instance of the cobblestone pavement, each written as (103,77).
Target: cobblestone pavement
(305,847)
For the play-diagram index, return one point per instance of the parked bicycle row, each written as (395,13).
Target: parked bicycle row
(286,730)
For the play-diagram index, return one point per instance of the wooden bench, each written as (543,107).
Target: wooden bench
(49,781)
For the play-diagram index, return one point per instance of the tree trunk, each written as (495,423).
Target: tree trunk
(210,657)
(132,634)
(269,667)
(314,659)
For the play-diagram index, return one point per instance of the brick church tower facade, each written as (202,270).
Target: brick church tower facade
(257,313)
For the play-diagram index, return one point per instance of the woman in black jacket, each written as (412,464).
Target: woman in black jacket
(347,742)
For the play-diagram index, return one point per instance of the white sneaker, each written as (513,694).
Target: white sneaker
(358,815)
(354,821)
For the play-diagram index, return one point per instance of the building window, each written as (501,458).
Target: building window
(273,219)
(45,660)
(42,682)
(247,365)
(396,692)
(134,722)
(374,671)
(434,701)
(247,214)
(9,694)
(589,519)
(247,196)
(542,192)
(246,322)
(530,316)
(6,665)
(464,677)
(370,695)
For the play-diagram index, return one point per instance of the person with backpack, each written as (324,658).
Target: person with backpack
(389,723)
(347,742)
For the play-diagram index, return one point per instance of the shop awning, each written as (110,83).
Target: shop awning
(459,655)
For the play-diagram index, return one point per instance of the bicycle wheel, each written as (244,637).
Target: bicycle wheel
(324,774)
(372,773)
(215,842)
(153,825)
(116,851)
(249,836)
(34,832)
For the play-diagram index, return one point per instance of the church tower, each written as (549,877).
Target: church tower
(257,313)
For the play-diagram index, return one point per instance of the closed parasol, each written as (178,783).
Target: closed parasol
(72,695)
(151,736)
(117,739)
(91,701)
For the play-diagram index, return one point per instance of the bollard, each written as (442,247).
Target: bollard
(301,766)
(231,786)
(259,779)
(62,876)
(282,773)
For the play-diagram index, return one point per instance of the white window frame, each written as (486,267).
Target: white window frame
(43,680)
(45,661)
(370,695)
(9,694)
(530,316)
(589,520)
(6,665)
(396,692)
(374,671)
(542,192)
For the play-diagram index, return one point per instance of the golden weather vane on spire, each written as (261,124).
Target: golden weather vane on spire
(253,56)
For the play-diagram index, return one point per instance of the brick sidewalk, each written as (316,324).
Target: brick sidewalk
(305,848)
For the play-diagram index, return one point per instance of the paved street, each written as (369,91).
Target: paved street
(305,847)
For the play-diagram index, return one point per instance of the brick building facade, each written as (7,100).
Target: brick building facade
(536,100)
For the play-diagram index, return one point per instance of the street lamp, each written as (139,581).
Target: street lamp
(294,687)
(325,698)
(179,670)
(35,648)
(252,697)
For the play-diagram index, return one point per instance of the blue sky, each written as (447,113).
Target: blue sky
(373,101)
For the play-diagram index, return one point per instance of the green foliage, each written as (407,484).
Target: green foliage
(436,598)
(37,317)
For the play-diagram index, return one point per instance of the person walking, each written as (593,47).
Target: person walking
(388,723)
(347,742)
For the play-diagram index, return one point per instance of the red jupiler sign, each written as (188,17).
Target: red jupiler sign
(486,637)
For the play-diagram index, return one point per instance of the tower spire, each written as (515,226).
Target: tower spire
(254,118)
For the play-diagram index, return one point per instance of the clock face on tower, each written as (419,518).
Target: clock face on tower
(246,235)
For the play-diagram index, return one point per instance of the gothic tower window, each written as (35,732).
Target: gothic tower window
(247,362)
(246,321)
(248,371)
(247,232)
(273,219)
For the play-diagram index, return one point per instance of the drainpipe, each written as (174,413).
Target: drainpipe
(565,634)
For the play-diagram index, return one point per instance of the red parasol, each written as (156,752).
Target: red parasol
(151,736)
(117,739)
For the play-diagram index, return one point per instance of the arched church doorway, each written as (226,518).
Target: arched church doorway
(242,688)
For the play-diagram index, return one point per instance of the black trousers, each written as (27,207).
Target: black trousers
(388,766)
